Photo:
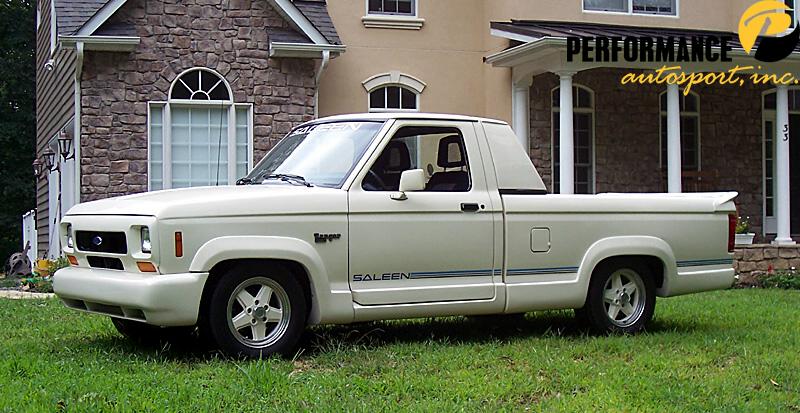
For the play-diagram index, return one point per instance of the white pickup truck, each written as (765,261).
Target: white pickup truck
(381,216)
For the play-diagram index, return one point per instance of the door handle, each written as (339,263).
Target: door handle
(470,207)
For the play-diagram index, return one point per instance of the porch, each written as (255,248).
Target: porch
(654,138)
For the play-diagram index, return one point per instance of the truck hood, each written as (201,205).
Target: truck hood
(220,201)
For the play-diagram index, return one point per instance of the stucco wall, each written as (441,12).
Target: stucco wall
(230,37)
(447,53)
(627,136)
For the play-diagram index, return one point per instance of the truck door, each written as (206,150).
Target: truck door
(427,246)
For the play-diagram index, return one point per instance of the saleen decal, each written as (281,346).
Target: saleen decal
(388,276)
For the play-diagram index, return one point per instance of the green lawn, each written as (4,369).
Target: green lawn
(734,350)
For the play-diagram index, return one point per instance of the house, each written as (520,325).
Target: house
(173,94)
(207,85)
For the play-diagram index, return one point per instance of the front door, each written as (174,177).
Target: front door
(435,245)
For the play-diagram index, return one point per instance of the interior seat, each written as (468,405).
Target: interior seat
(394,160)
(451,155)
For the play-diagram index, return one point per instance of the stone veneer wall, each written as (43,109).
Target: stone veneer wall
(627,141)
(230,37)
(752,261)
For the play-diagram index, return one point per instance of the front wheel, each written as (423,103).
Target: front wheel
(621,299)
(257,312)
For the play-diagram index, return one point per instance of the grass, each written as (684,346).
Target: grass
(736,350)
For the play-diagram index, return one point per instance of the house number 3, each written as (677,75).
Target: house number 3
(786,132)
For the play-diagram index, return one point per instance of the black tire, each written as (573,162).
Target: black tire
(279,337)
(150,335)
(631,318)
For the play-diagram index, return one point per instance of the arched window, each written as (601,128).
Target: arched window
(200,84)
(391,98)
(393,92)
(690,131)
(199,136)
(583,128)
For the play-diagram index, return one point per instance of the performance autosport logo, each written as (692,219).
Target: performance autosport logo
(768,19)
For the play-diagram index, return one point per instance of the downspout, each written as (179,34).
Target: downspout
(326,57)
(76,135)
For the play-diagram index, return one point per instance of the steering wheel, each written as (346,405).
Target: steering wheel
(378,184)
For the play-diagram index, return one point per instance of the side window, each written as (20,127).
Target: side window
(439,151)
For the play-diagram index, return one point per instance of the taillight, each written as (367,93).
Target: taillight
(731,232)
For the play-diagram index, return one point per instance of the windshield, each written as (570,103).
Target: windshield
(321,155)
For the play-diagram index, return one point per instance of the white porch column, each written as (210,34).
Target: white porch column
(566,137)
(520,111)
(782,185)
(674,168)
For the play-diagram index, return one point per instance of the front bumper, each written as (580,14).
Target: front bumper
(163,300)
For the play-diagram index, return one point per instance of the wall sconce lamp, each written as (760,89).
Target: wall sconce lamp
(65,146)
(50,160)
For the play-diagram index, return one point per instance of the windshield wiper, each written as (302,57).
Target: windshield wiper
(245,181)
(290,178)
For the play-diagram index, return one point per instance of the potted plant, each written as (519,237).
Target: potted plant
(743,234)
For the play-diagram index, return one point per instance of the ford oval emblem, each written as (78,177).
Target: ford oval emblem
(97,240)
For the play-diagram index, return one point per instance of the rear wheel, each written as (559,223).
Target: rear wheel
(257,311)
(621,299)
(151,335)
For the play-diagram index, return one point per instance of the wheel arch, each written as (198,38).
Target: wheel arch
(651,252)
(219,255)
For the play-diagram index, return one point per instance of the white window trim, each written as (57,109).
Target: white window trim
(166,137)
(662,113)
(630,11)
(392,21)
(553,136)
(770,222)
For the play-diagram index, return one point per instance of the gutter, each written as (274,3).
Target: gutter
(508,54)
(307,50)
(76,135)
(101,43)
(326,58)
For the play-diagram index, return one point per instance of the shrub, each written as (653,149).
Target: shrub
(743,225)
(785,280)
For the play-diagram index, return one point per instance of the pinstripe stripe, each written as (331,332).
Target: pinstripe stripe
(540,271)
(699,263)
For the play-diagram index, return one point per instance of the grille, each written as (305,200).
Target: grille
(96,241)
(105,262)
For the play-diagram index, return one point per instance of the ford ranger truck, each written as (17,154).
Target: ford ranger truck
(386,216)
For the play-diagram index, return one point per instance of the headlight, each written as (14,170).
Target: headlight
(70,243)
(146,245)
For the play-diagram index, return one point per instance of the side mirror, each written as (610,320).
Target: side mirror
(412,180)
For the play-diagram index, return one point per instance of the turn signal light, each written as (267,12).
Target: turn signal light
(178,244)
(72,260)
(732,220)
(145,266)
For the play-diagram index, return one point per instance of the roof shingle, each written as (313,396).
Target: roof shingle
(71,15)
(316,11)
